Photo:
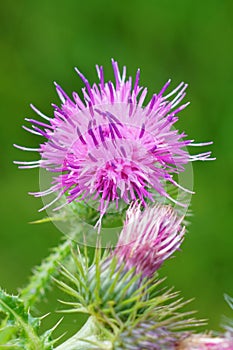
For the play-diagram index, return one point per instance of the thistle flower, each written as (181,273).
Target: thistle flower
(149,237)
(109,147)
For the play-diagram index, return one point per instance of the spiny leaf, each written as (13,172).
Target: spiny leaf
(20,330)
(14,308)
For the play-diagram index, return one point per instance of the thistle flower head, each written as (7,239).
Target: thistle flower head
(110,146)
(149,237)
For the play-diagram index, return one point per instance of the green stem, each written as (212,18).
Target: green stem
(41,278)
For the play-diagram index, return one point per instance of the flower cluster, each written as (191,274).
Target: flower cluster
(113,148)
(110,147)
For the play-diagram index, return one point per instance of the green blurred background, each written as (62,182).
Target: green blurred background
(41,41)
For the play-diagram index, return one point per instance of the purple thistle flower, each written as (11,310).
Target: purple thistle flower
(149,237)
(108,146)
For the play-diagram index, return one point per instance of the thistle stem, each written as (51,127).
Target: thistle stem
(41,278)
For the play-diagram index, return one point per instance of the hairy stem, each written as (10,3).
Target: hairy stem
(41,278)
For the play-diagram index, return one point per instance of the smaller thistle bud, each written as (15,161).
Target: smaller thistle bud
(206,342)
(149,237)
(119,288)
(123,280)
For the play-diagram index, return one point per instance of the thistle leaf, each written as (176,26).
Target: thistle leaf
(21,330)
(20,323)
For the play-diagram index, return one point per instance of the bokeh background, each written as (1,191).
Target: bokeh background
(42,41)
